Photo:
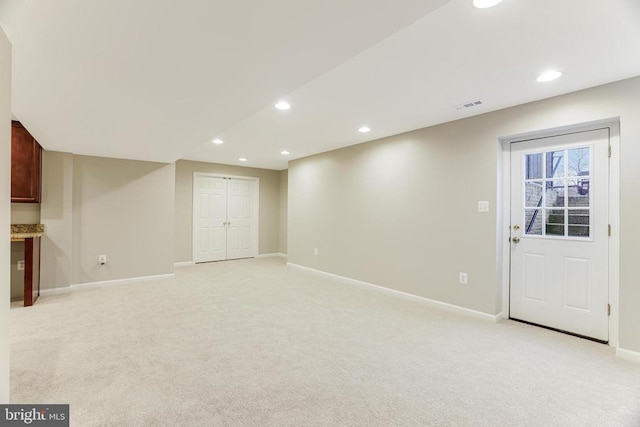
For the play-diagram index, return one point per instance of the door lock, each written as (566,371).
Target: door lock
(515,240)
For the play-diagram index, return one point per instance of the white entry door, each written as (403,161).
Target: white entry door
(224,218)
(559,233)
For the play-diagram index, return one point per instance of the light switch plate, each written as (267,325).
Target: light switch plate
(20,265)
(483,206)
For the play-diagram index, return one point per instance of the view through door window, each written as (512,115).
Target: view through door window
(557,193)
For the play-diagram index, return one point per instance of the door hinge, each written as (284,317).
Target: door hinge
(609,230)
(608,309)
(609,151)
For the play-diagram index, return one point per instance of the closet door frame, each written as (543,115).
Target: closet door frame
(255,205)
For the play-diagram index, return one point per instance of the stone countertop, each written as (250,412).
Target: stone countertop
(19,232)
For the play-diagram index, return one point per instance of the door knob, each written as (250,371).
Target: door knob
(515,240)
(516,227)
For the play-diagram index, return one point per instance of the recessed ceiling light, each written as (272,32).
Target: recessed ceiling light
(283,105)
(285,153)
(483,4)
(547,76)
(242,159)
(364,129)
(218,141)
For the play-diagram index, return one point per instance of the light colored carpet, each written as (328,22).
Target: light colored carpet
(253,343)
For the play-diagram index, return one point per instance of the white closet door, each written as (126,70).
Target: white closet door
(211,211)
(240,219)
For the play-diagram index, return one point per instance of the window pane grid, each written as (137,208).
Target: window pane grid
(557,200)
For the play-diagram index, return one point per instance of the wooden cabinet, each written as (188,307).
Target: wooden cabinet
(31,270)
(26,164)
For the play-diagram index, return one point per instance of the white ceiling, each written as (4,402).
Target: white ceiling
(158,79)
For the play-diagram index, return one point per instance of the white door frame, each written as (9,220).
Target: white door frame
(255,201)
(504,214)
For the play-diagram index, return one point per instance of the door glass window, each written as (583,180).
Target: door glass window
(533,166)
(557,197)
(554,164)
(533,218)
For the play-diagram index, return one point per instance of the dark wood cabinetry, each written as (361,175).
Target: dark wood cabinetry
(26,164)
(31,270)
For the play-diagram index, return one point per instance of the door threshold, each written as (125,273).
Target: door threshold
(560,330)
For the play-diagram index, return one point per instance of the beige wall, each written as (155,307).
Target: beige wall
(25,213)
(5,211)
(269,205)
(401,212)
(284,184)
(95,205)
(56,215)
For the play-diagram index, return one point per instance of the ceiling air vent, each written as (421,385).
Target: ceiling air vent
(466,105)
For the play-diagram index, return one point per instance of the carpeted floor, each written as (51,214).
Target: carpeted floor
(253,343)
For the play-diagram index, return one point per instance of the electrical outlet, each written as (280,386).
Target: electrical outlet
(463,278)
(315,251)
(20,265)
(102,259)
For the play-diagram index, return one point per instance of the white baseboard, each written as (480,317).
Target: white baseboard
(632,356)
(124,281)
(66,289)
(183,264)
(429,302)
(272,255)
(54,291)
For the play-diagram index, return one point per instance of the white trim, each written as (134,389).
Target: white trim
(429,302)
(632,356)
(503,254)
(273,255)
(225,175)
(561,130)
(504,194)
(67,289)
(614,239)
(183,264)
(55,291)
(256,205)
(124,281)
